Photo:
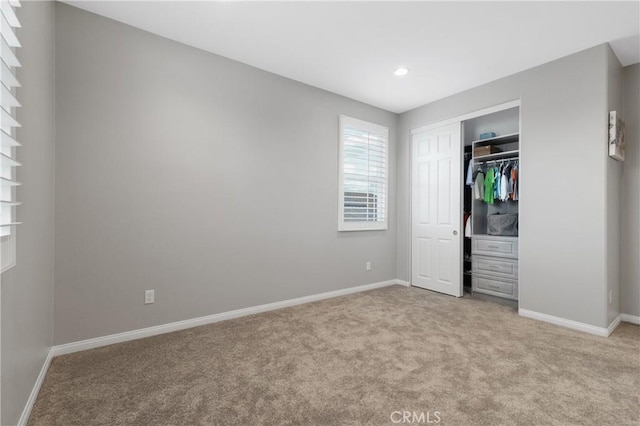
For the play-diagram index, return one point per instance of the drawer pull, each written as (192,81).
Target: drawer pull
(494,267)
(493,247)
(494,286)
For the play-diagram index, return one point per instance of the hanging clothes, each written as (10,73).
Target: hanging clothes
(470,173)
(504,185)
(514,178)
(496,186)
(478,186)
(489,186)
(509,174)
(496,183)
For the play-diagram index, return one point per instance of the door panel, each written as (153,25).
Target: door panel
(445,262)
(444,192)
(424,256)
(424,191)
(436,210)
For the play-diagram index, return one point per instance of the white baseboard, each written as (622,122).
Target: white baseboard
(97,342)
(633,319)
(575,325)
(179,325)
(614,324)
(26,412)
(209,319)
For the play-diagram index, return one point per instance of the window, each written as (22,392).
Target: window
(8,144)
(363,175)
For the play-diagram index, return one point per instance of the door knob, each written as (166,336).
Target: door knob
(455,232)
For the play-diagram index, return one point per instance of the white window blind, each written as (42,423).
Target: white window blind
(8,104)
(364,173)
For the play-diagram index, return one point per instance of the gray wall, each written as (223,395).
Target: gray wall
(210,181)
(630,291)
(563,267)
(614,178)
(27,289)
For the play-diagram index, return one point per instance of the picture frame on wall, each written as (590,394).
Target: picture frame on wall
(616,136)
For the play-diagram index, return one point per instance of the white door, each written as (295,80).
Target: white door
(436,194)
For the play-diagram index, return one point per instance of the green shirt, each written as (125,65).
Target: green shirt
(489,182)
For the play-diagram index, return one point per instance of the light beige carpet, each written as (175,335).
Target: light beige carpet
(355,360)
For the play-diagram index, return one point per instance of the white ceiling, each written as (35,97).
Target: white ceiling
(352,48)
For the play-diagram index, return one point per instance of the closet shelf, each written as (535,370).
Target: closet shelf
(497,140)
(498,155)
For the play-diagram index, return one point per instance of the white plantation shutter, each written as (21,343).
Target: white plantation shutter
(364,174)
(8,104)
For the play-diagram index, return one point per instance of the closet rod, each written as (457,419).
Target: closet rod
(502,160)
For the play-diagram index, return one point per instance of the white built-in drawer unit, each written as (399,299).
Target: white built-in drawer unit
(495,286)
(495,246)
(506,268)
(494,263)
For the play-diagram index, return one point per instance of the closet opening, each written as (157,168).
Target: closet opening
(491,188)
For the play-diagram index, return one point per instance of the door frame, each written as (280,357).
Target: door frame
(443,122)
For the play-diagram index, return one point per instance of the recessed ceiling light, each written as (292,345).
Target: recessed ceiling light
(401,71)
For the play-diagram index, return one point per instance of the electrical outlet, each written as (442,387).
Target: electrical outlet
(149,297)
(368,266)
